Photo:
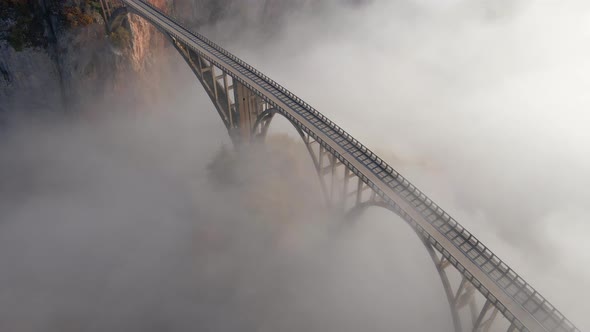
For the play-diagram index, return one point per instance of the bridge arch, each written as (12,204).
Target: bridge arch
(118,18)
(357,211)
(264,120)
(259,132)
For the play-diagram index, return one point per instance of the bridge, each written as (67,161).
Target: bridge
(353,178)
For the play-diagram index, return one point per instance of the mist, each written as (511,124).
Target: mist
(135,222)
(120,221)
(482,104)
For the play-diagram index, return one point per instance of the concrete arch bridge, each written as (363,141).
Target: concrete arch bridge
(352,177)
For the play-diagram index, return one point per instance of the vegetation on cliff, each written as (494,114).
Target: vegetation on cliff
(22,25)
(74,16)
(120,37)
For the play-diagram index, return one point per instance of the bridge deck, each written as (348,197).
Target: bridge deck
(515,299)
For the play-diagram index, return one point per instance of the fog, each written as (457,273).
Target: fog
(135,222)
(481,104)
(119,222)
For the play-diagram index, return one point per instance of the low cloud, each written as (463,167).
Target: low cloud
(117,223)
(482,104)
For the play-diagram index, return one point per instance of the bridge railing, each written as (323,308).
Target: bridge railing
(499,265)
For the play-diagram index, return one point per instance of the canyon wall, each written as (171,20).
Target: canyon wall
(58,55)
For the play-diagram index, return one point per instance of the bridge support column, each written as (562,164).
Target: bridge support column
(239,108)
(106,7)
(105,15)
(248,106)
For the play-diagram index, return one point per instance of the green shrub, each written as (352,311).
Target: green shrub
(74,17)
(25,32)
(120,37)
(27,29)
(95,5)
(17,38)
(22,7)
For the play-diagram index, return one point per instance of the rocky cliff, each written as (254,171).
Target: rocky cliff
(54,54)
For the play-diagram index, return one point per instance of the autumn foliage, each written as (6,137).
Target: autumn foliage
(74,17)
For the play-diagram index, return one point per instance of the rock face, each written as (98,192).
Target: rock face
(23,69)
(55,54)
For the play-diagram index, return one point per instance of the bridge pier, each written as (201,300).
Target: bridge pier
(249,106)
(238,107)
